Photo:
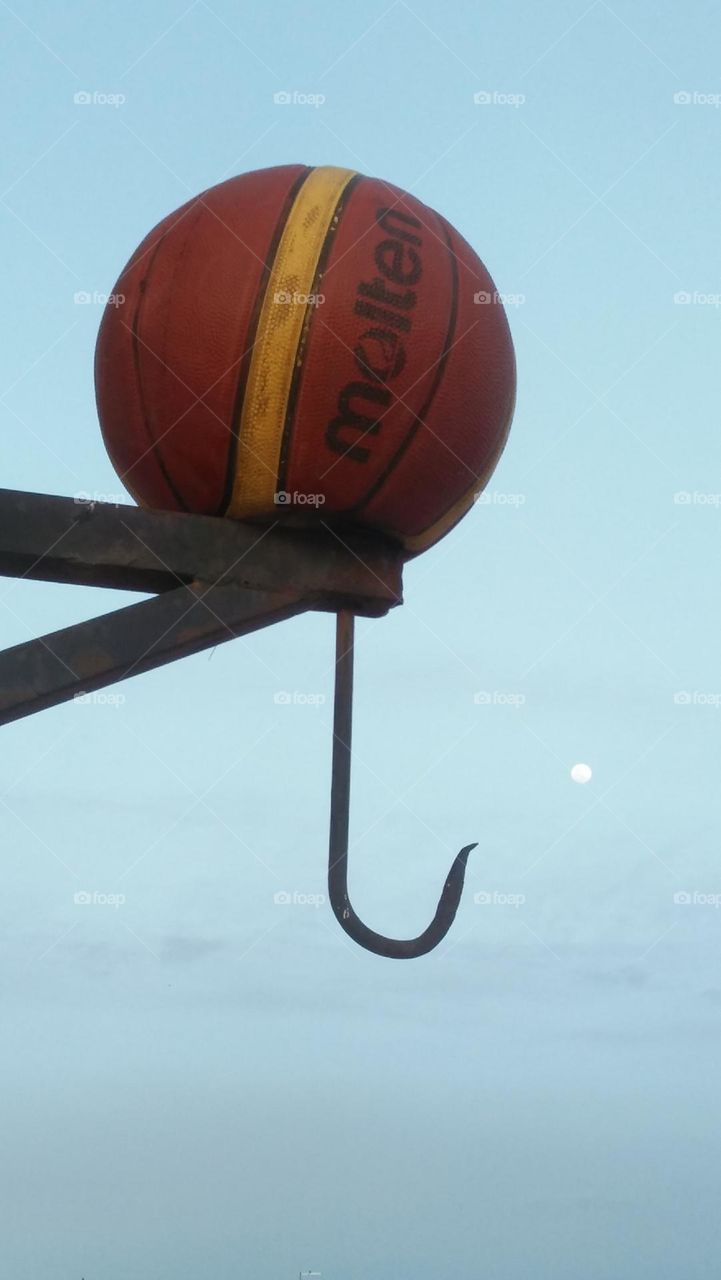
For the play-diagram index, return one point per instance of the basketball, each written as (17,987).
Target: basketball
(307,344)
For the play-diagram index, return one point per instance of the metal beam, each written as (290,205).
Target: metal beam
(215,579)
(61,539)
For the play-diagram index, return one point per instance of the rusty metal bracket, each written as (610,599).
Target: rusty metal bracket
(209,580)
(212,580)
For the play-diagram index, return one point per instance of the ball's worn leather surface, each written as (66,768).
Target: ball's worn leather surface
(305,344)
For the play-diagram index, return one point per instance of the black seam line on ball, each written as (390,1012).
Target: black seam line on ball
(295,386)
(136,349)
(251,336)
(418,418)
(482,478)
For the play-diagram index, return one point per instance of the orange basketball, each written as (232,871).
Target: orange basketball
(307,344)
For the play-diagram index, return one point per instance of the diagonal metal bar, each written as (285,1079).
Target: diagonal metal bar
(90,655)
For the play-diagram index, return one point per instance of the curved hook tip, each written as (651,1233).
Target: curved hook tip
(406,948)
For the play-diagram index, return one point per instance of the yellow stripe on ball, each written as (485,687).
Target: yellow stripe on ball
(278,336)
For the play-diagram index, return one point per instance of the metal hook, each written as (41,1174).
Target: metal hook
(393,948)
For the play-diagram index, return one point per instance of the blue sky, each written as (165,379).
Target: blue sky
(199,1081)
